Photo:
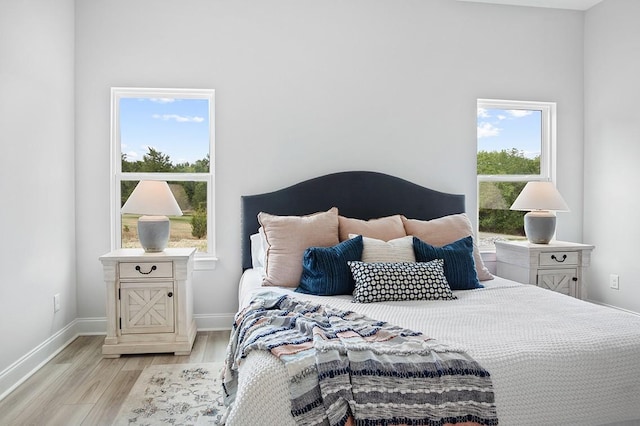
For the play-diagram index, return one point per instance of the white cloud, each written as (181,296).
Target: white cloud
(179,118)
(519,113)
(502,117)
(531,154)
(482,113)
(486,130)
(131,156)
(162,100)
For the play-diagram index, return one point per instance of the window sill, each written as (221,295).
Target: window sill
(488,255)
(205,263)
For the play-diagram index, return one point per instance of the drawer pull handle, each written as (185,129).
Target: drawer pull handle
(170,294)
(153,268)
(564,257)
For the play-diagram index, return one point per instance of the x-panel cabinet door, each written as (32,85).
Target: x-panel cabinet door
(147,307)
(560,280)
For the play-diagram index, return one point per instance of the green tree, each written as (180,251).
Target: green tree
(507,162)
(196,191)
(495,198)
(199,196)
(202,166)
(152,161)
(155,161)
(199,223)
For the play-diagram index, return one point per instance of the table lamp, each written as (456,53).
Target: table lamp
(542,200)
(152,199)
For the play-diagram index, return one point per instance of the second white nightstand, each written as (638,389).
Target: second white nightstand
(557,266)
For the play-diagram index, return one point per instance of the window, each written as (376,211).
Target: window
(516,144)
(165,134)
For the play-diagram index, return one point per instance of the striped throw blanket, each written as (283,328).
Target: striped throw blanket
(347,369)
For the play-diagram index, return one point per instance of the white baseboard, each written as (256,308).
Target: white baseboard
(91,326)
(204,322)
(613,307)
(210,322)
(14,375)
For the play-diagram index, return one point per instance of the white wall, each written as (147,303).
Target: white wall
(306,88)
(37,254)
(612,150)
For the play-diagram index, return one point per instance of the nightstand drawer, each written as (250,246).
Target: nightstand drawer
(146,270)
(559,258)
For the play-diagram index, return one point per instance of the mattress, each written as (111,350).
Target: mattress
(553,359)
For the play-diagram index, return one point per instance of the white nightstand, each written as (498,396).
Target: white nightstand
(557,266)
(149,301)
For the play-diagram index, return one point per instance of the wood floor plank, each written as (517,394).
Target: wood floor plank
(199,345)
(29,393)
(105,411)
(136,362)
(90,389)
(216,345)
(196,354)
(82,365)
(161,359)
(80,386)
(77,349)
(69,415)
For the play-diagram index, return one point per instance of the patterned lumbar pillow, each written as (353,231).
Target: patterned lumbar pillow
(379,282)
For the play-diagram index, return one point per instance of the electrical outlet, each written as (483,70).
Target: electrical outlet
(614,281)
(56,302)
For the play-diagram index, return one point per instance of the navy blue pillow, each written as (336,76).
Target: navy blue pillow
(325,271)
(459,266)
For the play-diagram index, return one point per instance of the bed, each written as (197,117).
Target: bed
(553,359)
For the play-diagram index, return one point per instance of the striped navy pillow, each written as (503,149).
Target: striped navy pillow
(325,271)
(459,266)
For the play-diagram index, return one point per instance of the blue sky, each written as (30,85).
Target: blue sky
(176,127)
(500,129)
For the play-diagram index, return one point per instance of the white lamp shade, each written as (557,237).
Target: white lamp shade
(540,196)
(152,197)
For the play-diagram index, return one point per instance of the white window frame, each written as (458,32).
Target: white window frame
(203,260)
(548,144)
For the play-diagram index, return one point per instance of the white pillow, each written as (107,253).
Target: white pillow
(258,250)
(398,250)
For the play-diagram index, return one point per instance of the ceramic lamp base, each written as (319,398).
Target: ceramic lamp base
(540,226)
(153,232)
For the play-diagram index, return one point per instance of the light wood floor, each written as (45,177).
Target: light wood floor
(80,387)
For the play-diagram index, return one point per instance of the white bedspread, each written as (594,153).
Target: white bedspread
(554,360)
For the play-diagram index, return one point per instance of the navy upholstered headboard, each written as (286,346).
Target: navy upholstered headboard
(356,194)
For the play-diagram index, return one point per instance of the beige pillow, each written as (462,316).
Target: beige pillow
(384,228)
(445,230)
(288,237)
(397,250)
